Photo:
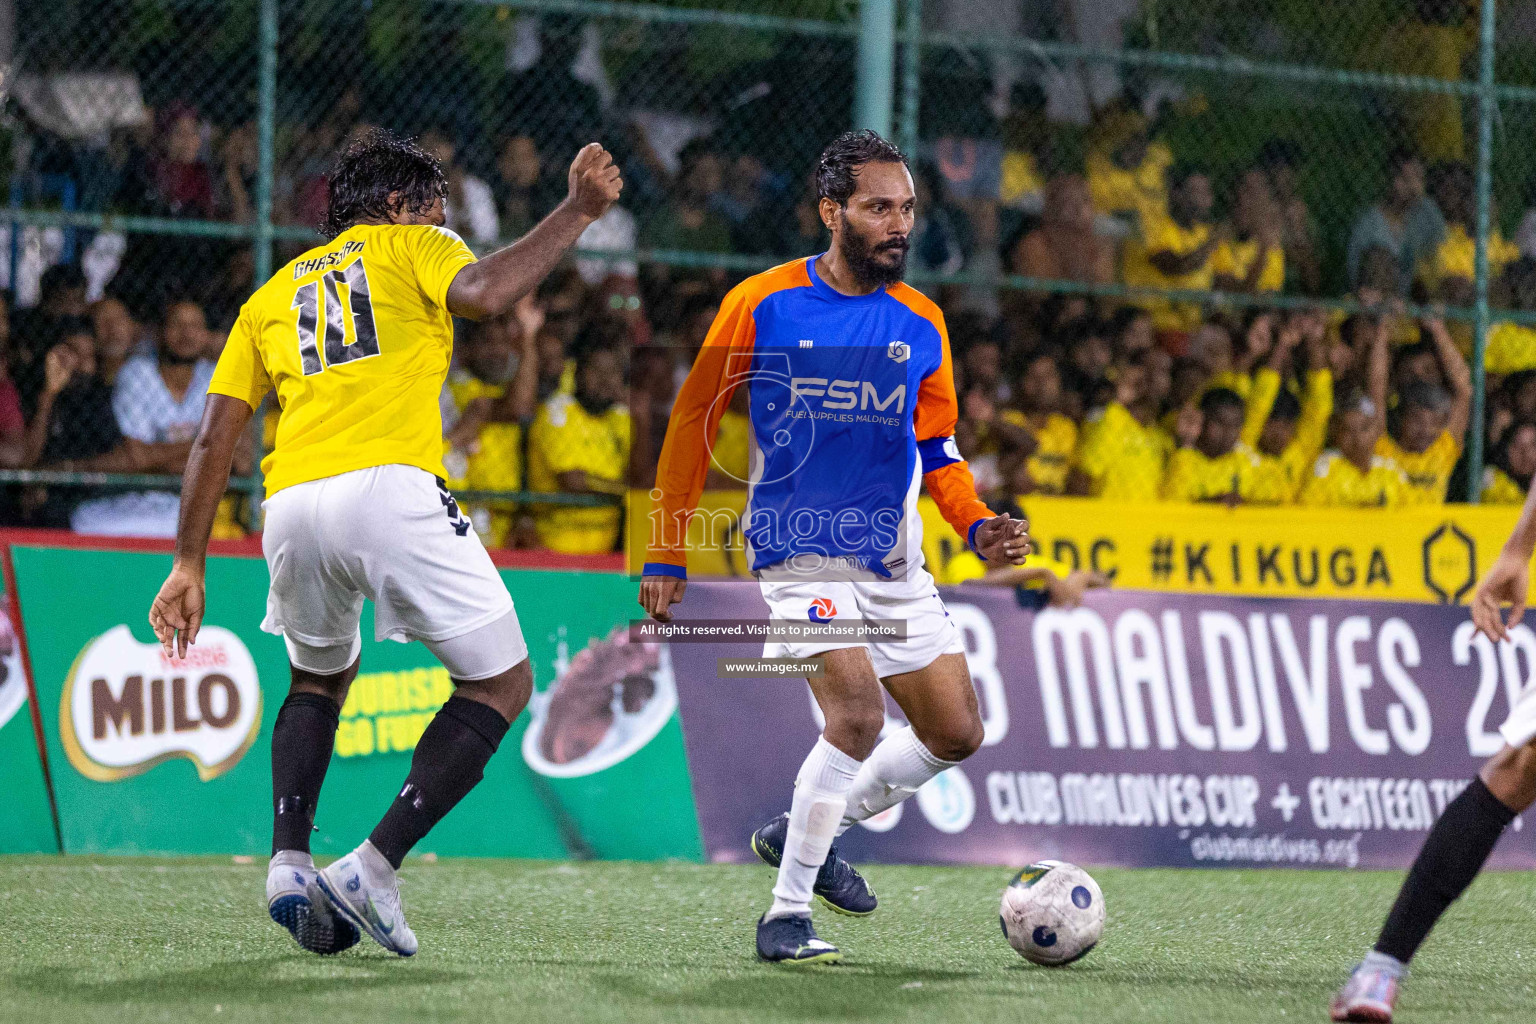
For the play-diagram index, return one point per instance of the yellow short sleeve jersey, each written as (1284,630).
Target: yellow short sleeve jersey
(1141,191)
(1428,471)
(1499,488)
(1278,478)
(1235,259)
(498,464)
(564,438)
(1194,476)
(1123,459)
(1511,348)
(1020,177)
(1164,234)
(1457,256)
(355,336)
(1056,439)
(1338,483)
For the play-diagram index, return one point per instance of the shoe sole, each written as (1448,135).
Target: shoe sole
(341,907)
(831,956)
(758,850)
(1365,1015)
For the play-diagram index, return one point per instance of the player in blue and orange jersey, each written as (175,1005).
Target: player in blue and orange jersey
(852,407)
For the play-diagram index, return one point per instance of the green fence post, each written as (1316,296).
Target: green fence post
(876,66)
(266,127)
(911,78)
(1485,103)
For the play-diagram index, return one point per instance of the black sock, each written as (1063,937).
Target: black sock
(1452,856)
(449,761)
(302,739)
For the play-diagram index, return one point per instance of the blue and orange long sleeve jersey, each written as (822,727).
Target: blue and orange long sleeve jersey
(849,396)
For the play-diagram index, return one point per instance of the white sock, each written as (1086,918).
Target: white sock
(291,859)
(896,769)
(821,790)
(1385,962)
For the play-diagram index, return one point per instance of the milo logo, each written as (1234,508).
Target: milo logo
(127,706)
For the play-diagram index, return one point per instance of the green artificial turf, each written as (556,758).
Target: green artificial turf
(121,941)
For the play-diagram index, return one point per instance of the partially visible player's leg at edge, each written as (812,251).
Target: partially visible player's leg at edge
(1467,830)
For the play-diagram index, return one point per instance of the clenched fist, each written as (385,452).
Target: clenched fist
(595,182)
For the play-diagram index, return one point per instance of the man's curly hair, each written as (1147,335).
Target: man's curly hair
(837,171)
(373,168)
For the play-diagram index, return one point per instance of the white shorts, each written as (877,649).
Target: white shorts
(391,534)
(915,600)
(1520,727)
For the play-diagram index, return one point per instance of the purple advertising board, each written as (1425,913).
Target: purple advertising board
(1147,729)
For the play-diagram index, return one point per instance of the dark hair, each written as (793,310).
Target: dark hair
(837,172)
(59,277)
(373,168)
(1279,153)
(1401,156)
(1287,407)
(1413,350)
(604,334)
(1181,172)
(1220,398)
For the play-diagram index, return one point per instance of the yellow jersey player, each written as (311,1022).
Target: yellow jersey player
(355,337)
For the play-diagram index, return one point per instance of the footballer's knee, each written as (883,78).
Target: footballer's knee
(953,739)
(333,685)
(1510,775)
(507,692)
(854,727)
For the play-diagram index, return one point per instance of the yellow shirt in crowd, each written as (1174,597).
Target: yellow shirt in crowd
(1123,459)
(1194,476)
(564,438)
(1456,256)
(1499,488)
(497,462)
(1511,348)
(1163,234)
(1428,472)
(732,450)
(1020,177)
(1141,191)
(1279,477)
(1056,437)
(1338,483)
(1235,259)
(355,335)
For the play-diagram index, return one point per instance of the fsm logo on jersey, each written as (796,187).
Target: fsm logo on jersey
(126,706)
(948,801)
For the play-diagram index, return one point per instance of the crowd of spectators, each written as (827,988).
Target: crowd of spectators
(1124,395)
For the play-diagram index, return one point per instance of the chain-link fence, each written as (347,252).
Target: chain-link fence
(1075,162)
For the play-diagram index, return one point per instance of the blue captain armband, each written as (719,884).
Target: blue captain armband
(938,452)
(664,569)
(970,538)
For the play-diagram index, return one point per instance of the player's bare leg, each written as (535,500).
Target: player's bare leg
(944,728)
(1453,854)
(849,696)
(302,741)
(448,762)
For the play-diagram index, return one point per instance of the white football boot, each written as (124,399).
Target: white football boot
(363,890)
(294,903)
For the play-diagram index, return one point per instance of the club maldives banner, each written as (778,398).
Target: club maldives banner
(26,826)
(153,755)
(1147,729)
(1430,553)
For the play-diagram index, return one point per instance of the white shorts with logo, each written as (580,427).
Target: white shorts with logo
(395,536)
(914,600)
(1520,728)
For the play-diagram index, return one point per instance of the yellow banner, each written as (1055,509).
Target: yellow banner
(1431,554)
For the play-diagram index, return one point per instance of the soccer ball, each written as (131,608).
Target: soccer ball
(1052,913)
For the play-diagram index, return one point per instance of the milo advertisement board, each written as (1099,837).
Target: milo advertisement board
(27,824)
(159,755)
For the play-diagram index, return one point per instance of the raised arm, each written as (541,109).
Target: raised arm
(1379,370)
(177,613)
(492,286)
(1457,373)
